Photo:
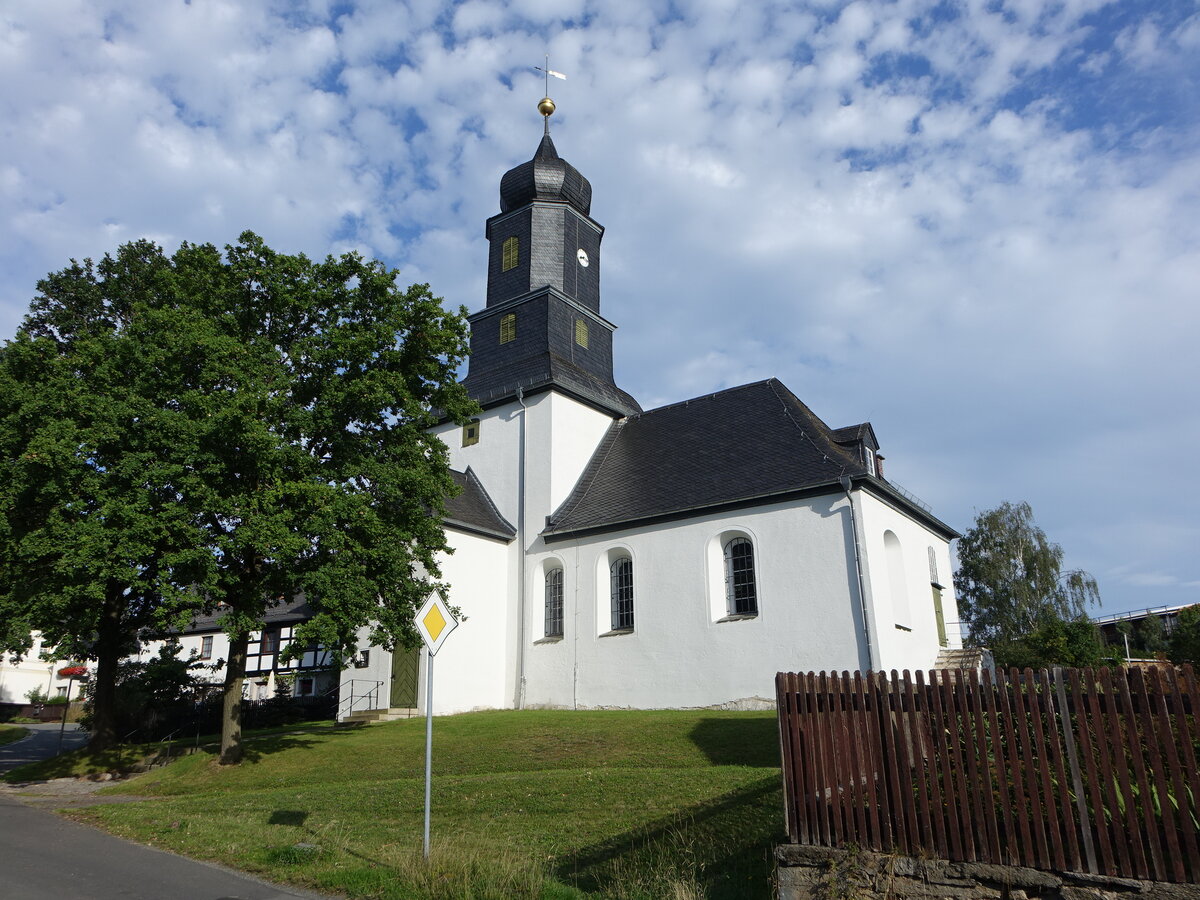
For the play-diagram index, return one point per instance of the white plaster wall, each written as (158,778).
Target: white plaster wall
(575,432)
(679,654)
(897,648)
(375,676)
(561,435)
(494,457)
(474,668)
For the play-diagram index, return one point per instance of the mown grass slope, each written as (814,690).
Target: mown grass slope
(525,804)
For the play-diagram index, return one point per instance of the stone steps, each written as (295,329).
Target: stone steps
(371,716)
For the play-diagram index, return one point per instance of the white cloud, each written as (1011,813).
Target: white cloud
(916,220)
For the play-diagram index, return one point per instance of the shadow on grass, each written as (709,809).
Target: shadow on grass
(749,741)
(257,746)
(295,817)
(719,849)
(129,758)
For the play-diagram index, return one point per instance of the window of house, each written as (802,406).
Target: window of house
(510,253)
(620,581)
(304,687)
(470,433)
(581,333)
(554,603)
(62,691)
(741,597)
(363,659)
(270,642)
(206,647)
(508,328)
(933,569)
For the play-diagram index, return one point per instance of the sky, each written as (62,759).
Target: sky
(976,225)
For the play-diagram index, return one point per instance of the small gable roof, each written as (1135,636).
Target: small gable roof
(473,510)
(856,434)
(740,445)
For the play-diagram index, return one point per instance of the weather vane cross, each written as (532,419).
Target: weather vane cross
(547,71)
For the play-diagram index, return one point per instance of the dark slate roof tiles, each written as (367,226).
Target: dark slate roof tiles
(741,444)
(473,509)
(545,177)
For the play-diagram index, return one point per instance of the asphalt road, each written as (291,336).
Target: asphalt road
(46,857)
(42,744)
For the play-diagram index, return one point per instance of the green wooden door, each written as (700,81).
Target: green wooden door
(405,666)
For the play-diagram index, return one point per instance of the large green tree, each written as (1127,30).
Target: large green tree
(1184,643)
(1014,596)
(292,455)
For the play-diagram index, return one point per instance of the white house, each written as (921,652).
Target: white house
(32,673)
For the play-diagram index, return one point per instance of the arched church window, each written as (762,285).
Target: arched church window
(581,333)
(897,581)
(508,328)
(620,580)
(554,603)
(510,252)
(741,595)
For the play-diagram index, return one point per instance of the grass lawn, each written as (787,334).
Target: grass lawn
(540,804)
(10,733)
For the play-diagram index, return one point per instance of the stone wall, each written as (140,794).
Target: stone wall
(820,873)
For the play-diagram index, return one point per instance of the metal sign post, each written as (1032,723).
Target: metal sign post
(435,622)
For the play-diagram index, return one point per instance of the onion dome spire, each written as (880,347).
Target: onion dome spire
(547,176)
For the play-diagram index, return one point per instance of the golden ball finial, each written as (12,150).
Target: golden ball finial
(546,107)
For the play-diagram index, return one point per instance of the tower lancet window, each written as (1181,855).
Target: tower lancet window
(508,328)
(510,252)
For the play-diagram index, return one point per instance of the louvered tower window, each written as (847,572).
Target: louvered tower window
(508,328)
(510,252)
(581,333)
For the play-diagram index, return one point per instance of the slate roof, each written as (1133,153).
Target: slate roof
(853,434)
(751,444)
(542,371)
(290,612)
(545,177)
(473,510)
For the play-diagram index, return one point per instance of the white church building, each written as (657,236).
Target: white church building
(610,556)
(607,556)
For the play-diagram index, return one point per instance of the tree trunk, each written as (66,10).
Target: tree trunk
(231,719)
(108,654)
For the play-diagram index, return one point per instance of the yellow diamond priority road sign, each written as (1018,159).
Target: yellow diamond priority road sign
(435,622)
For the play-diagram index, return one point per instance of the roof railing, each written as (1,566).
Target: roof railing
(909,496)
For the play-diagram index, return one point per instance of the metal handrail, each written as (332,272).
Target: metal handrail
(371,695)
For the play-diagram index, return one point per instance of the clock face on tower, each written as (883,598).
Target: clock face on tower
(582,256)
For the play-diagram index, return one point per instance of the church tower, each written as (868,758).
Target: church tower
(541,328)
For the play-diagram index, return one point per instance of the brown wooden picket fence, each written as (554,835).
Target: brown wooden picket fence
(1084,770)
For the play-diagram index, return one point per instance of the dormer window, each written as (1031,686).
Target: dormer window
(869,459)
